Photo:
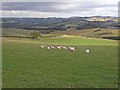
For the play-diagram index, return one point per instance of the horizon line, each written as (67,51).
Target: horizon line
(64,17)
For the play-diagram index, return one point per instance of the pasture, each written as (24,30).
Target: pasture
(16,32)
(25,64)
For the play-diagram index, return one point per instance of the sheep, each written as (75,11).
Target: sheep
(59,47)
(42,46)
(87,50)
(72,49)
(64,47)
(48,48)
(52,47)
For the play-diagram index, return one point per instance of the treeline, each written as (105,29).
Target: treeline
(52,27)
(112,37)
(97,24)
(17,36)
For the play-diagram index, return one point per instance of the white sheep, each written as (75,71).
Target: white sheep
(59,47)
(72,49)
(42,46)
(87,50)
(64,47)
(48,48)
(52,47)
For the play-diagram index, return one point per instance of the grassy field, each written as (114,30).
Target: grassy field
(16,32)
(69,40)
(12,32)
(25,64)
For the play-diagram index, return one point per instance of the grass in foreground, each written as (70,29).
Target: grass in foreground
(27,65)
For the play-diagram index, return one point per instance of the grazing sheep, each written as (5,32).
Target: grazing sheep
(42,46)
(48,48)
(64,47)
(87,50)
(59,47)
(72,49)
(52,47)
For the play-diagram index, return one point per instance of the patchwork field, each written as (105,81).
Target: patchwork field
(25,64)
(96,33)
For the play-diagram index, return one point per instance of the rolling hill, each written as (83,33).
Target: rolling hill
(61,24)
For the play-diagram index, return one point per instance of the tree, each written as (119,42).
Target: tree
(34,35)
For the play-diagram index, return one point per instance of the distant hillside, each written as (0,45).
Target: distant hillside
(104,19)
(98,32)
(60,24)
(7,32)
(105,33)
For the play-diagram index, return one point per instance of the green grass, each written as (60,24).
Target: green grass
(16,32)
(23,33)
(77,41)
(67,41)
(27,65)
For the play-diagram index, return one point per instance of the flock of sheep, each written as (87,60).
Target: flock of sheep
(71,48)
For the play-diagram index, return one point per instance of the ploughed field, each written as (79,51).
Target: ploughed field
(26,64)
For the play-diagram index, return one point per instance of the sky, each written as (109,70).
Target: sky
(62,8)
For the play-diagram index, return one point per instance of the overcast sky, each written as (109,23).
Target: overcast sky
(60,9)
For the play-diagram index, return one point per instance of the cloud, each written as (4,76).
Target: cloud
(60,9)
(97,1)
(30,14)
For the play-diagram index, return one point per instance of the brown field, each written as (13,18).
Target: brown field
(90,32)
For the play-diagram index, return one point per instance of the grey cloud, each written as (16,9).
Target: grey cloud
(52,6)
(58,9)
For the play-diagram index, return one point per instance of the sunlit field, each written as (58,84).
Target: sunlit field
(26,64)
